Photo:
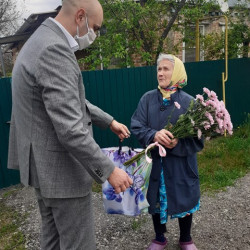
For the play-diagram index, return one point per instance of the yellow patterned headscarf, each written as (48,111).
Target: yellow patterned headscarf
(178,79)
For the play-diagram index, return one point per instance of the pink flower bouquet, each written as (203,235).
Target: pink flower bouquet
(204,117)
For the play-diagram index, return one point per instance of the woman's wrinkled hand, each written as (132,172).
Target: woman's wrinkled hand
(165,138)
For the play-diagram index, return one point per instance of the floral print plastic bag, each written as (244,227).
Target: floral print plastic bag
(133,201)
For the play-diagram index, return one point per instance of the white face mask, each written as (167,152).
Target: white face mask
(87,39)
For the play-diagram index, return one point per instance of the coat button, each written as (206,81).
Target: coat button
(89,123)
(162,108)
(98,172)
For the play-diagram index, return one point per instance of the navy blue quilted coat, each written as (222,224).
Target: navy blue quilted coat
(180,165)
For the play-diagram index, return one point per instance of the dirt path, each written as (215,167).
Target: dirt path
(223,222)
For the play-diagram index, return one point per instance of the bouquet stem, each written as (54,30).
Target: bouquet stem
(134,159)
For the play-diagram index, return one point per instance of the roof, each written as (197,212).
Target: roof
(27,29)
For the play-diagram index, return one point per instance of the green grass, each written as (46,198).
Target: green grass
(137,223)
(225,159)
(96,187)
(10,237)
(9,193)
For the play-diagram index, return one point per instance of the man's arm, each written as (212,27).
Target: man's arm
(103,120)
(99,118)
(59,85)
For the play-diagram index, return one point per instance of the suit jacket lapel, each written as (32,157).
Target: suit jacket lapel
(51,25)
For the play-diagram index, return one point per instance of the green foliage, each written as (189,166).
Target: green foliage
(225,159)
(238,36)
(213,46)
(239,39)
(197,10)
(141,30)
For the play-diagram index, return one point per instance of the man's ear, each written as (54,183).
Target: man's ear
(80,15)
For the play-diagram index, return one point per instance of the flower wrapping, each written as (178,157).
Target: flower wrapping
(133,201)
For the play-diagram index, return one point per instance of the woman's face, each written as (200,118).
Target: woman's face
(164,73)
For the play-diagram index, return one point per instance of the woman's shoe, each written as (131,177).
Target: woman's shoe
(188,245)
(157,245)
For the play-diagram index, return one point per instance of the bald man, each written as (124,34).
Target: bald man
(51,139)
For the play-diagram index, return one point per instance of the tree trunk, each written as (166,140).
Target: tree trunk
(245,48)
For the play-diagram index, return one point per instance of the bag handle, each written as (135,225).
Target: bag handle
(120,147)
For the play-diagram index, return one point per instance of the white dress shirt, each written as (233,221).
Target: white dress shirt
(72,42)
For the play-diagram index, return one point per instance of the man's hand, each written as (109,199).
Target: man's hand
(119,129)
(165,138)
(120,180)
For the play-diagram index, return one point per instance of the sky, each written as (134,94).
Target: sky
(29,7)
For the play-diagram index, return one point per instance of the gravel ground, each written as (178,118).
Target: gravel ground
(223,222)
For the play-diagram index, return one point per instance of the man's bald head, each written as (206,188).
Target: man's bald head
(90,6)
(74,13)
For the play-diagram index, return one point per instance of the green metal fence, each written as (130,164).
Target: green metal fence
(7,177)
(118,92)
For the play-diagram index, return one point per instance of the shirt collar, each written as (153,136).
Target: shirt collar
(72,42)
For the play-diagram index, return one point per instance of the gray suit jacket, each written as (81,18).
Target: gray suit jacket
(51,128)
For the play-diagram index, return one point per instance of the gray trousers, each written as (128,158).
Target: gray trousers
(67,224)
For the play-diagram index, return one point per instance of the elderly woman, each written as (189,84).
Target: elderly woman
(174,188)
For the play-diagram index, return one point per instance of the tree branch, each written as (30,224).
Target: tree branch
(168,28)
